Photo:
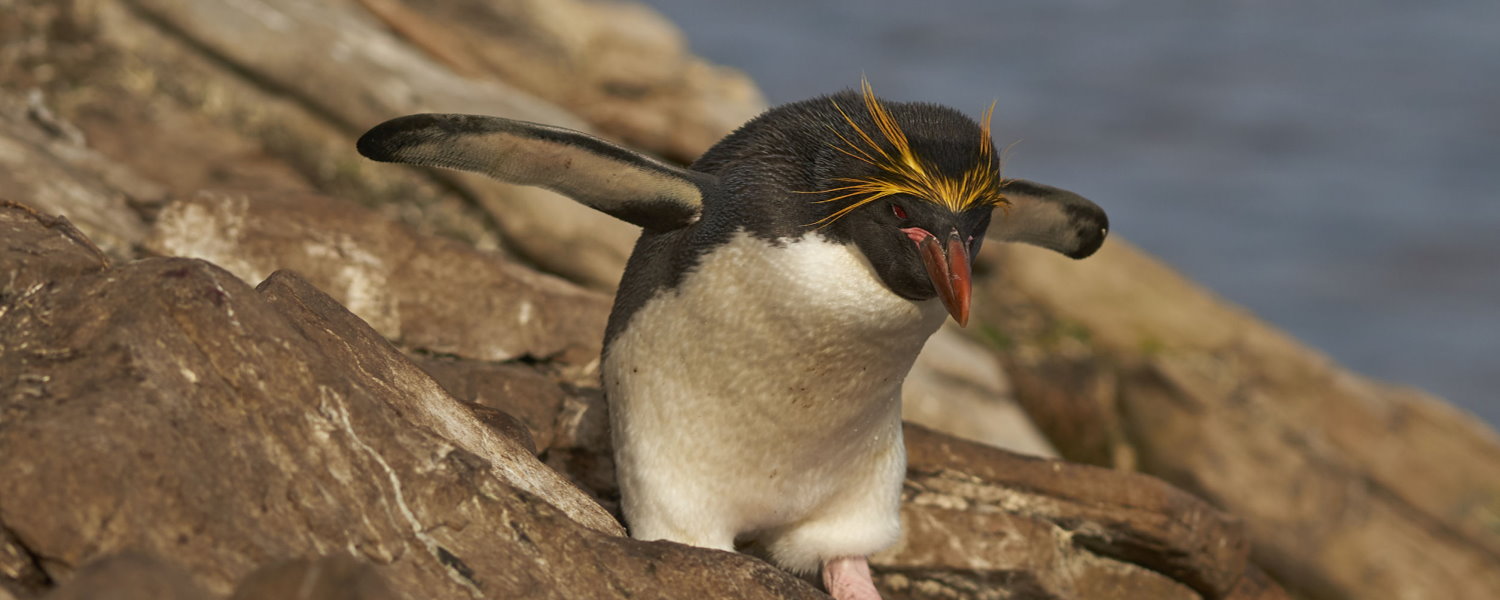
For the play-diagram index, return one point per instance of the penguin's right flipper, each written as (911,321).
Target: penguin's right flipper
(623,183)
(1055,219)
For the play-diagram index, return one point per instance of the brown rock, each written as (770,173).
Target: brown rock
(570,421)
(581,446)
(426,293)
(975,514)
(504,424)
(956,387)
(331,101)
(533,400)
(274,39)
(322,104)
(130,576)
(149,97)
(44,160)
(1257,585)
(327,578)
(1126,363)
(28,236)
(20,574)
(619,65)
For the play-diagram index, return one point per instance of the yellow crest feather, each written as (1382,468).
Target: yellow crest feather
(903,172)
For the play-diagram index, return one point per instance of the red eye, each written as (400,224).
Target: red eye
(900,212)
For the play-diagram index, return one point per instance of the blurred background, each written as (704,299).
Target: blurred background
(1333,166)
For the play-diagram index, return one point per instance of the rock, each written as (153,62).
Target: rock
(28,235)
(20,574)
(329,102)
(956,387)
(151,99)
(130,576)
(426,293)
(324,103)
(521,393)
(1125,363)
(570,422)
(1257,585)
(327,578)
(619,65)
(369,76)
(44,160)
(169,408)
(978,517)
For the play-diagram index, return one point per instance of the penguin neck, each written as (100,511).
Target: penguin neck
(818,292)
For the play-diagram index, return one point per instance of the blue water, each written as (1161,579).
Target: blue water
(1333,166)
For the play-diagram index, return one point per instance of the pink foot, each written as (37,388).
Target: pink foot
(848,578)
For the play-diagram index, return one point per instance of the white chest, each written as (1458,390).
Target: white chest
(806,322)
(768,377)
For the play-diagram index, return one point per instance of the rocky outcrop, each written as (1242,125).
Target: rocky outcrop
(1349,488)
(620,66)
(130,576)
(45,160)
(426,293)
(369,72)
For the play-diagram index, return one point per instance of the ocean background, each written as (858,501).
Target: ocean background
(1333,166)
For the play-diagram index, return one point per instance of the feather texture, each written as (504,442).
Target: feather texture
(900,170)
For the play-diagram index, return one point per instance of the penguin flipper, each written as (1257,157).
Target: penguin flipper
(620,182)
(1053,218)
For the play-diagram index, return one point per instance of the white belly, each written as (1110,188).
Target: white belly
(763,395)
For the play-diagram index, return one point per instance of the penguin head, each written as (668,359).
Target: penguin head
(918,248)
(914,186)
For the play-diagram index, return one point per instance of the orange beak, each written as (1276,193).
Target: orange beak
(948,266)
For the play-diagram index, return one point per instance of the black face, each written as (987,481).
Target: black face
(912,185)
(884,231)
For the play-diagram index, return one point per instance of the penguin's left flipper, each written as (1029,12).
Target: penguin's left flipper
(1053,218)
(620,182)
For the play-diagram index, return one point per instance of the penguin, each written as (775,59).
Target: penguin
(778,294)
